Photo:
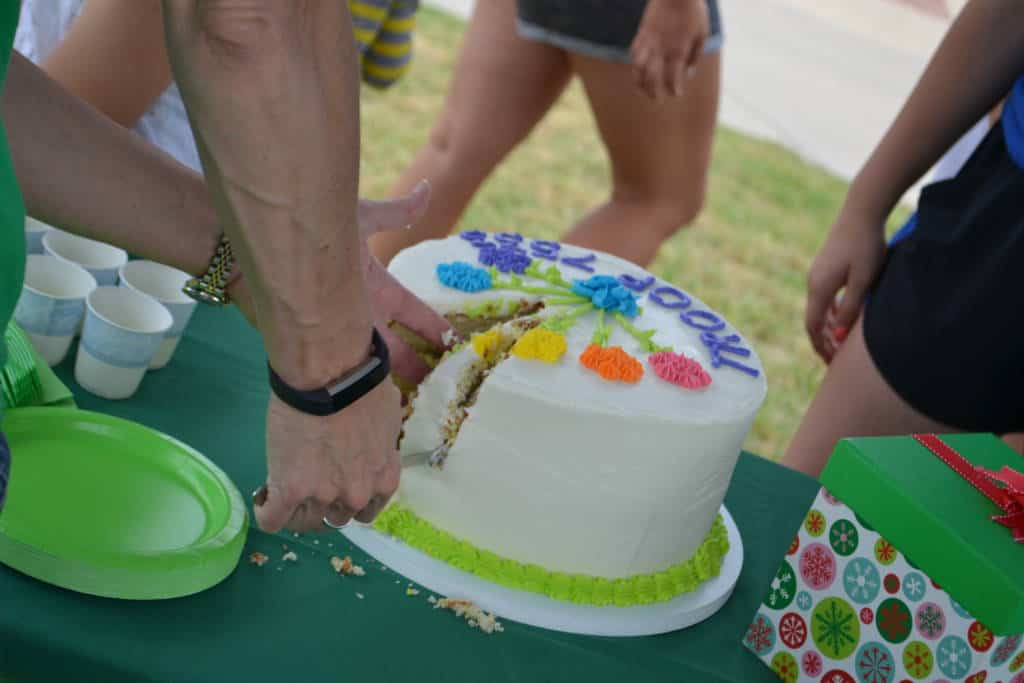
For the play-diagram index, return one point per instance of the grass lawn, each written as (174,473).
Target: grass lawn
(746,256)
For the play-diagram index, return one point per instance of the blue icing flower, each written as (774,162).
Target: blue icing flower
(608,293)
(463,276)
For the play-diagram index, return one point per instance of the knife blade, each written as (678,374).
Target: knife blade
(434,458)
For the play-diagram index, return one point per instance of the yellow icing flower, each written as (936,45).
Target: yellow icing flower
(487,344)
(540,344)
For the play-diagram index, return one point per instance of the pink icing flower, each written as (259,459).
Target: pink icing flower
(678,369)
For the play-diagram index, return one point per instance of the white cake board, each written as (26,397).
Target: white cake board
(537,610)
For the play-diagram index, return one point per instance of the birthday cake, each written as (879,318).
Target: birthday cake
(593,416)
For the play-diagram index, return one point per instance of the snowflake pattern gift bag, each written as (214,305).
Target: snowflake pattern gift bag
(884,581)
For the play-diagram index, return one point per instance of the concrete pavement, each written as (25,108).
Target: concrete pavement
(823,78)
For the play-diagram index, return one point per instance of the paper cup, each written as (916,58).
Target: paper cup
(52,304)
(122,332)
(102,260)
(34,231)
(164,284)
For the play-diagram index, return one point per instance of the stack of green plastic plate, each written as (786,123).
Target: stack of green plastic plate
(109,507)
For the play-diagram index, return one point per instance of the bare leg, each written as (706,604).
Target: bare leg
(502,86)
(1015,441)
(659,152)
(853,400)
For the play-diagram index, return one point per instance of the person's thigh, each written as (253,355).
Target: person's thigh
(502,86)
(853,400)
(659,150)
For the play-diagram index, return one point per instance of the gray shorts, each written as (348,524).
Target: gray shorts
(603,29)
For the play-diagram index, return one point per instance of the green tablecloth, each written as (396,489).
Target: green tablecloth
(301,621)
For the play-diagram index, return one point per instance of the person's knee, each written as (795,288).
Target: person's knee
(664,213)
(465,147)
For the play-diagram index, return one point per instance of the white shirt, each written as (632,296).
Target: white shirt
(43,25)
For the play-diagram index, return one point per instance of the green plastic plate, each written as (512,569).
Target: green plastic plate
(104,506)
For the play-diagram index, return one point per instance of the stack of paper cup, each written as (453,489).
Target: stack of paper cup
(122,333)
(34,231)
(100,259)
(52,304)
(164,284)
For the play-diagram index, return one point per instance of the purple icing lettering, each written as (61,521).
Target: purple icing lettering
(506,258)
(545,249)
(486,253)
(713,324)
(719,345)
(508,238)
(660,295)
(474,237)
(635,284)
(739,366)
(580,262)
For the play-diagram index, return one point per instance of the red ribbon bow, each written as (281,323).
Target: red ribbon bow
(1009,497)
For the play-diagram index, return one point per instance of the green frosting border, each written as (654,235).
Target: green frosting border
(642,589)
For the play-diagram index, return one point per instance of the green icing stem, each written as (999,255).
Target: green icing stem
(515,282)
(552,274)
(643,337)
(562,323)
(642,589)
(566,301)
(489,307)
(601,332)
(527,289)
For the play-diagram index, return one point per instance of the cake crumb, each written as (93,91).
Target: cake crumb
(360,596)
(411,591)
(344,565)
(289,556)
(474,616)
(258,559)
(316,542)
(432,600)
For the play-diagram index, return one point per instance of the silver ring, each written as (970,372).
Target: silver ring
(328,524)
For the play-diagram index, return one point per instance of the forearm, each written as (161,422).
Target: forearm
(973,68)
(82,172)
(272,89)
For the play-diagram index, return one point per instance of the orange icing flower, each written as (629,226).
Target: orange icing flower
(486,345)
(612,363)
(540,344)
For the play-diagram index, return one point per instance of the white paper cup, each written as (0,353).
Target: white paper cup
(122,332)
(52,304)
(164,284)
(34,231)
(100,259)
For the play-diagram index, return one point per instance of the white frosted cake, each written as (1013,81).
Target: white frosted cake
(594,416)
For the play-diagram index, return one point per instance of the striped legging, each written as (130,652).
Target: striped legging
(383,33)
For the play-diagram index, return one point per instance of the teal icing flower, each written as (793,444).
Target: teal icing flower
(608,293)
(463,277)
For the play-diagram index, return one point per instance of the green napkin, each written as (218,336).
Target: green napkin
(26,379)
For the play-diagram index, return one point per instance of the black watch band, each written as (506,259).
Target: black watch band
(342,392)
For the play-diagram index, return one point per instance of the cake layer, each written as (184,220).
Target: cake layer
(602,462)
